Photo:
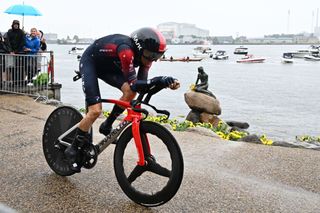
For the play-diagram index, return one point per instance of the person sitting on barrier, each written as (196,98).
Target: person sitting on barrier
(14,38)
(113,59)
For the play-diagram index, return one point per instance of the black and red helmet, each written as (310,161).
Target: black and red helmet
(150,43)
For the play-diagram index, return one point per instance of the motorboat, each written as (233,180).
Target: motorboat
(314,49)
(202,52)
(313,57)
(287,58)
(251,59)
(241,50)
(300,53)
(184,59)
(220,55)
(76,51)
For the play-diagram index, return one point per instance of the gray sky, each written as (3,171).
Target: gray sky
(95,18)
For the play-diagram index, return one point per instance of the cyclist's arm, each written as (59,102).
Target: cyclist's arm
(126,56)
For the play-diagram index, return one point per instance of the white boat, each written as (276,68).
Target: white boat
(314,57)
(287,58)
(241,50)
(220,55)
(314,49)
(300,53)
(76,50)
(202,52)
(251,59)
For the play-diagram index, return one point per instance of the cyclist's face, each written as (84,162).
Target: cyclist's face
(145,61)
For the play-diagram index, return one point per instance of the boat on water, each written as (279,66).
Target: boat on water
(300,53)
(202,52)
(76,50)
(314,49)
(287,58)
(184,59)
(220,55)
(241,50)
(251,59)
(313,57)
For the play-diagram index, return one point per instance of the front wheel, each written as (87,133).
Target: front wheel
(159,179)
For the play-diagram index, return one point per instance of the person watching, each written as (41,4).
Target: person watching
(32,42)
(14,38)
(113,59)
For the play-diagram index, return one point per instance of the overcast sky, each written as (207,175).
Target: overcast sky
(95,18)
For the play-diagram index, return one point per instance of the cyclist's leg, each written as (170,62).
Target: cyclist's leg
(115,79)
(93,99)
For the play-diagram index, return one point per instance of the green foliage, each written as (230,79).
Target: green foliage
(223,130)
(41,79)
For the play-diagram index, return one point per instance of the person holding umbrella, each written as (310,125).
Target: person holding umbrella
(14,38)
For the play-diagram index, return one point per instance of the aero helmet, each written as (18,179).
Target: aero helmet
(150,43)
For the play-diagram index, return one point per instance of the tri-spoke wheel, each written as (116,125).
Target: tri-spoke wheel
(158,181)
(59,121)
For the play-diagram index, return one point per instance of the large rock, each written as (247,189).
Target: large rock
(193,116)
(209,118)
(202,102)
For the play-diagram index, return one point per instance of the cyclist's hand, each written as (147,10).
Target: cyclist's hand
(162,81)
(175,85)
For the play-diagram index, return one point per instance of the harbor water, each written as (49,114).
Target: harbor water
(279,100)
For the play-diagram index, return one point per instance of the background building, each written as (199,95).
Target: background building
(183,33)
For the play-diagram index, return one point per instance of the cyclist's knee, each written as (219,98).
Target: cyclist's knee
(94,111)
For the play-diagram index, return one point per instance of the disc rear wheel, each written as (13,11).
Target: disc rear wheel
(59,121)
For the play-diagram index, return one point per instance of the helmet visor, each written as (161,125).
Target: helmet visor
(151,56)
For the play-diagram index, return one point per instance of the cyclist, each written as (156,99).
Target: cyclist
(113,59)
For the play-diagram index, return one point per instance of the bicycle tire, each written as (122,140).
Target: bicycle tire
(170,145)
(59,121)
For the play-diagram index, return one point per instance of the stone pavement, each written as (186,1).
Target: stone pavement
(220,176)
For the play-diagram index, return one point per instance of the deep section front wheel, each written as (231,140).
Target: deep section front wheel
(158,181)
(59,121)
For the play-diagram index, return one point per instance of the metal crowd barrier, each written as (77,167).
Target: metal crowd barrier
(26,74)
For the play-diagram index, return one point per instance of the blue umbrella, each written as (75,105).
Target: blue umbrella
(23,10)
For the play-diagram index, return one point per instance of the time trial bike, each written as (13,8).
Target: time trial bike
(148,162)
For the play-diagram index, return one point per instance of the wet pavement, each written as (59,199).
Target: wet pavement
(220,176)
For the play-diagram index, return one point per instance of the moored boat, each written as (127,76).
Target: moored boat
(76,50)
(287,58)
(241,50)
(313,57)
(184,59)
(251,59)
(202,52)
(220,55)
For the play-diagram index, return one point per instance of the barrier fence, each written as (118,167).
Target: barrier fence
(26,74)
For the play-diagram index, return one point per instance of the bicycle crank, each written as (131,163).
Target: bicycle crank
(90,156)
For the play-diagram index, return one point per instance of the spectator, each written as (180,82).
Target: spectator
(3,46)
(43,44)
(15,38)
(32,42)
(32,46)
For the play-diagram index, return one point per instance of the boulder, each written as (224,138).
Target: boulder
(209,118)
(241,125)
(202,102)
(193,116)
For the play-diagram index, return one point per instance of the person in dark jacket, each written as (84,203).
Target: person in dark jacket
(15,38)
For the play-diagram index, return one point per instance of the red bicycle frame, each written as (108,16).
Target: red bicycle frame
(134,118)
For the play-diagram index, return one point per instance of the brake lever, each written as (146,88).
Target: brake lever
(160,111)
